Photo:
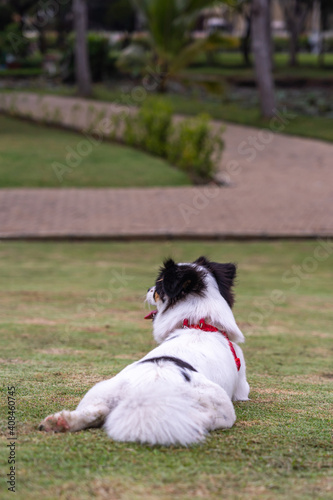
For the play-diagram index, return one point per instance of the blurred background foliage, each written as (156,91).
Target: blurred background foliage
(195,50)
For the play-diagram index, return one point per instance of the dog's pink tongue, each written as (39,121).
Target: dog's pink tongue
(151,315)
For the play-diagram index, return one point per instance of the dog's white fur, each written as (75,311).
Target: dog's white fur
(152,402)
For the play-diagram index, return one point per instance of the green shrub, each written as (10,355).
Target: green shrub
(21,72)
(189,144)
(132,134)
(195,149)
(132,60)
(328,44)
(32,61)
(282,44)
(155,117)
(303,43)
(110,64)
(225,42)
(98,52)
(13,42)
(98,49)
(149,129)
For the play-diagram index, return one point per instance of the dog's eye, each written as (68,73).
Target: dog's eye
(186,284)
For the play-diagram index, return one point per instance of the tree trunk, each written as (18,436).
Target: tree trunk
(269,33)
(295,14)
(261,47)
(42,45)
(61,29)
(82,69)
(245,44)
(319,43)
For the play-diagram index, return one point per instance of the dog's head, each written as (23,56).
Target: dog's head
(201,289)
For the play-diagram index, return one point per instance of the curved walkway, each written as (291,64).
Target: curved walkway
(278,186)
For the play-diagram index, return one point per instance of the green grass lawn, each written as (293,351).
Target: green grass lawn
(29,151)
(231,64)
(72,314)
(308,126)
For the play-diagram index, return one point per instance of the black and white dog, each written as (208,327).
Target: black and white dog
(184,387)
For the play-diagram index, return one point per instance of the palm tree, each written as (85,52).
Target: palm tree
(261,47)
(82,69)
(170,23)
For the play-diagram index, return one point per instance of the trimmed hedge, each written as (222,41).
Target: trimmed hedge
(189,144)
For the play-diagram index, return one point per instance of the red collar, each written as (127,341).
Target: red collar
(209,328)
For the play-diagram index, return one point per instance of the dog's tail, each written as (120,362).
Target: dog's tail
(164,413)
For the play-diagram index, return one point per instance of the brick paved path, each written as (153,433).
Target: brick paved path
(279,186)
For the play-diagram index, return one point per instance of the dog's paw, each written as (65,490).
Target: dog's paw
(54,423)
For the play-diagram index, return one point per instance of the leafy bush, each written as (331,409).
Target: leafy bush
(328,44)
(111,62)
(222,41)
(188,144)
(195,149)
(98,50)
(150,127)
(132,132)
(13,42)
(304,44)
(156,120)
(281,44)
(21,72)
(132,60)
(32,61)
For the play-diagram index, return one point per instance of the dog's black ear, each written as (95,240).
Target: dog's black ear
(180,280)
(224,275)
(202,261)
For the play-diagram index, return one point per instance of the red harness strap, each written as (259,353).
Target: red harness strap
(209,328)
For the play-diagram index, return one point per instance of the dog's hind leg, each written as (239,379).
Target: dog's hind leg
(71,421)
(91,411)
(216,403)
